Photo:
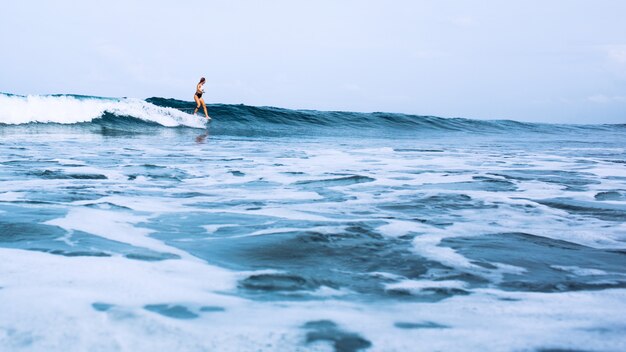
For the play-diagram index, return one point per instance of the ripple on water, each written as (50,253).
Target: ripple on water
(572,180)
(60,175)
(611,195)
(308,260)
(543,260)
(599,210)
(341,340)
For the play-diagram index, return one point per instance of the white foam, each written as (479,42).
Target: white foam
(214,228)
(288,214)
(276,231)
(115,226)
(385,275)
(46,304)
(421,287)
(580,271)
(325,291)
(70,162)
(66,109)
(428,247)
(11,196)
(144,203)
(397,228)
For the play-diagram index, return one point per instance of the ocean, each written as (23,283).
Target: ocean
(131,225)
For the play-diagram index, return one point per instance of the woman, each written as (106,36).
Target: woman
(198,98)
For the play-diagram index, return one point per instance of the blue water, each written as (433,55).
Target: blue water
(132,225)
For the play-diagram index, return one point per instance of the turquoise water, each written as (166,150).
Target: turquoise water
(128,224)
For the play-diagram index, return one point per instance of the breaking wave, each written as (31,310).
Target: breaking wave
(129,113)
(74,109)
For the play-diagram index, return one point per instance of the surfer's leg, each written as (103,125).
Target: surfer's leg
(195,97)
(204,106)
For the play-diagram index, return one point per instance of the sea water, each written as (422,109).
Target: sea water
(131,225)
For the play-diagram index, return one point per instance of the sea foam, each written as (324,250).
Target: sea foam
(71,109)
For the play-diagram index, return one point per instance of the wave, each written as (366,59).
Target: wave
(244,117)
(128,113)
(74,109)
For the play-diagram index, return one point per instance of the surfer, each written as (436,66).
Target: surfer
(198,98)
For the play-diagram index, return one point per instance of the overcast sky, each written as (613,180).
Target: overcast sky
(531,60)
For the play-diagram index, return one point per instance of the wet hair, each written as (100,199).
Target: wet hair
(202,80)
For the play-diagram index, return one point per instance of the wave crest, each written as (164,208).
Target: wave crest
(72,109)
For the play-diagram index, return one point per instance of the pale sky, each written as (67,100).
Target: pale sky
(531,60)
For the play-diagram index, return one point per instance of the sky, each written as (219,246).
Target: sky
(560,61)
